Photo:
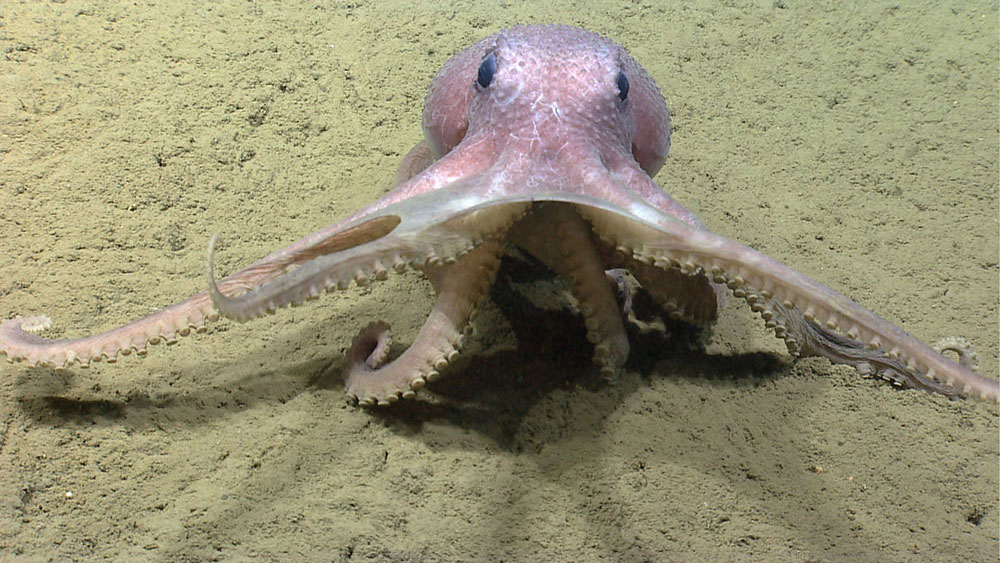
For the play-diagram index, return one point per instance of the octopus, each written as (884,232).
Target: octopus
(541,140)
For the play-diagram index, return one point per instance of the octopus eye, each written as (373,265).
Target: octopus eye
(622,85)
(486,71)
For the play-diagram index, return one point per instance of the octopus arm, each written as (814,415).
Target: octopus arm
(460,287)
(430,230)
(20,342)
(862,339)
(572,254)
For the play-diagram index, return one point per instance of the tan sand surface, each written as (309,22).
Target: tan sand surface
(855,141)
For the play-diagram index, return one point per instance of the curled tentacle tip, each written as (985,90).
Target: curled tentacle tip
(218,298)
(370,348)
(210,268)
(34,324)
(960,347)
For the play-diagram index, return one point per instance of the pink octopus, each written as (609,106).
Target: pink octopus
(544,138)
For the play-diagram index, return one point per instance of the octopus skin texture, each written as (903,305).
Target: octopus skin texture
(543,138)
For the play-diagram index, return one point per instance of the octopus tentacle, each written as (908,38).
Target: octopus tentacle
(371,346)
(574,256)
(416,161)
(19,342)
(460,287)
(692,299)
(627,172)
(844,350)
(804,337)
(356,235)
(419,242)
(671,243)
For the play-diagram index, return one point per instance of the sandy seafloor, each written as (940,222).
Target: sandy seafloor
(857,144)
